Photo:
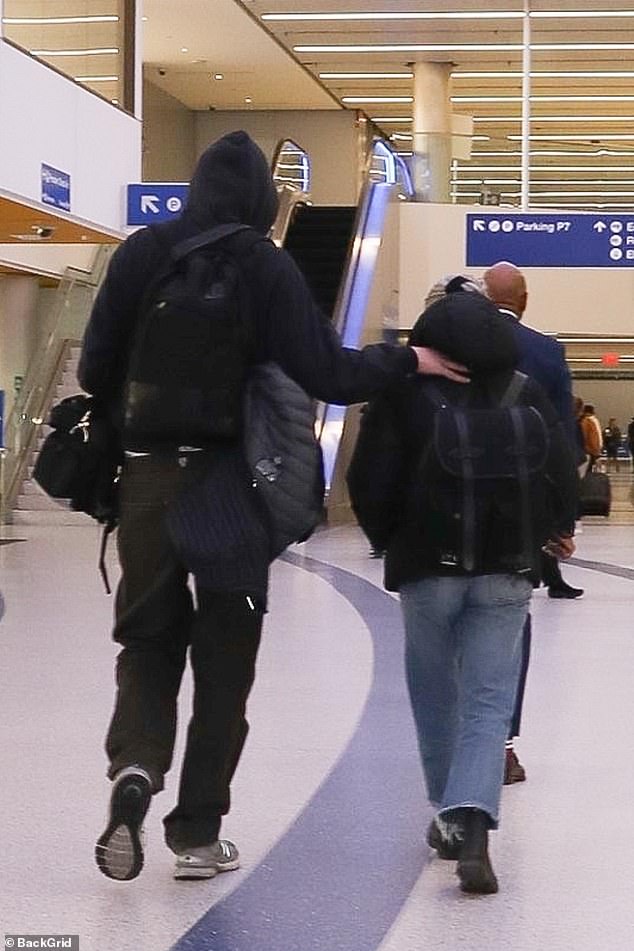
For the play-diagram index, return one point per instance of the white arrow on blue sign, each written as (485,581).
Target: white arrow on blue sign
(150,202)
(550,239)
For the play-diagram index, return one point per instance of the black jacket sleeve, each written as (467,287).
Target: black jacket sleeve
(104,357)
(377,473)
(300,338)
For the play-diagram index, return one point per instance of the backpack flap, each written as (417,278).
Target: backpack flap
(481,483)
(192,349)
(486,443)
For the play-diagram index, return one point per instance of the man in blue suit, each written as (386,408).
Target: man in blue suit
(543,358)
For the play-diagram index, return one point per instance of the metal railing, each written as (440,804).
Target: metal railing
(64,327)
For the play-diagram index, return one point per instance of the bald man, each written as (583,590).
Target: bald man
(543,358)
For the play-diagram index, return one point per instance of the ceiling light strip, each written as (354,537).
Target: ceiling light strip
(441,15)
(612,136)
(96,79)
(92,52)
(459,47)
(377,99)
(534,118)
(463,180)
(54,21)
(445,15)
(549,168)
(503,99)
(368,75)
(546,74)
(416,48)
(588,153)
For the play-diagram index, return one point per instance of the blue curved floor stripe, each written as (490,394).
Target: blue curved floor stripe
(339,876)
(602,566)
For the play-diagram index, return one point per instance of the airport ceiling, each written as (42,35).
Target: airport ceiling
(331,54)
(582,83)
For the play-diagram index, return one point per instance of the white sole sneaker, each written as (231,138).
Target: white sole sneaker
(207,861)
(119,850)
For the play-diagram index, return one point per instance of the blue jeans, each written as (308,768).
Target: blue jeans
(462,657)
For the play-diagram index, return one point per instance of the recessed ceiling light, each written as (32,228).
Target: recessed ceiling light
(184,49)
(218,76)
(248,99)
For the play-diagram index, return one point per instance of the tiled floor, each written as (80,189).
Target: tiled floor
(329,811)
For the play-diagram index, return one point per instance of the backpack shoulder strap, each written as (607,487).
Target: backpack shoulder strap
(513,390)
(212,236)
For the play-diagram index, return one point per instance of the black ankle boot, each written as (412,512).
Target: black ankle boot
(474,866)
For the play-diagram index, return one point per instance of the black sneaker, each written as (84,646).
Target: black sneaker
(564,591)
(119,851)
(445,838)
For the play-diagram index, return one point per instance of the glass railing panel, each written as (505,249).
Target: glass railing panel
(65,324)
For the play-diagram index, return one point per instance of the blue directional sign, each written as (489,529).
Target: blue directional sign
(55,187)
(150,202)
(551,239)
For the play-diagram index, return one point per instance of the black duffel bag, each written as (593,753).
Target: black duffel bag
(79,460)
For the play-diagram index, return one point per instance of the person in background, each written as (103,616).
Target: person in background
(544,359)
(592,435)
(630,437)
(612,443)
(582,468)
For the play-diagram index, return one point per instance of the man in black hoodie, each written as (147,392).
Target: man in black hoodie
(463,619)
(155,616)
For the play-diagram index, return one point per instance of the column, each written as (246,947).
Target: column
(431,160)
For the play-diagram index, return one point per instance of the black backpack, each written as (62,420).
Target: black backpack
(481,489)
(192,347)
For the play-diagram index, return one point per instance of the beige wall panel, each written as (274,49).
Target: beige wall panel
(329,137)
(168,137)
(18,331)
(587,300)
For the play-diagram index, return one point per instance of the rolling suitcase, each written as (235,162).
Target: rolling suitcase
(595,494)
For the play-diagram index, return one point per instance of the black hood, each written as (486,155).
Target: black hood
(232,182)
(468,328)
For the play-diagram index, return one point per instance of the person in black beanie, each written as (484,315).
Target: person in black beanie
(156,621)
(464,585)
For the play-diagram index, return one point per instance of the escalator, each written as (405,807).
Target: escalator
(318,239)
(336,247)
